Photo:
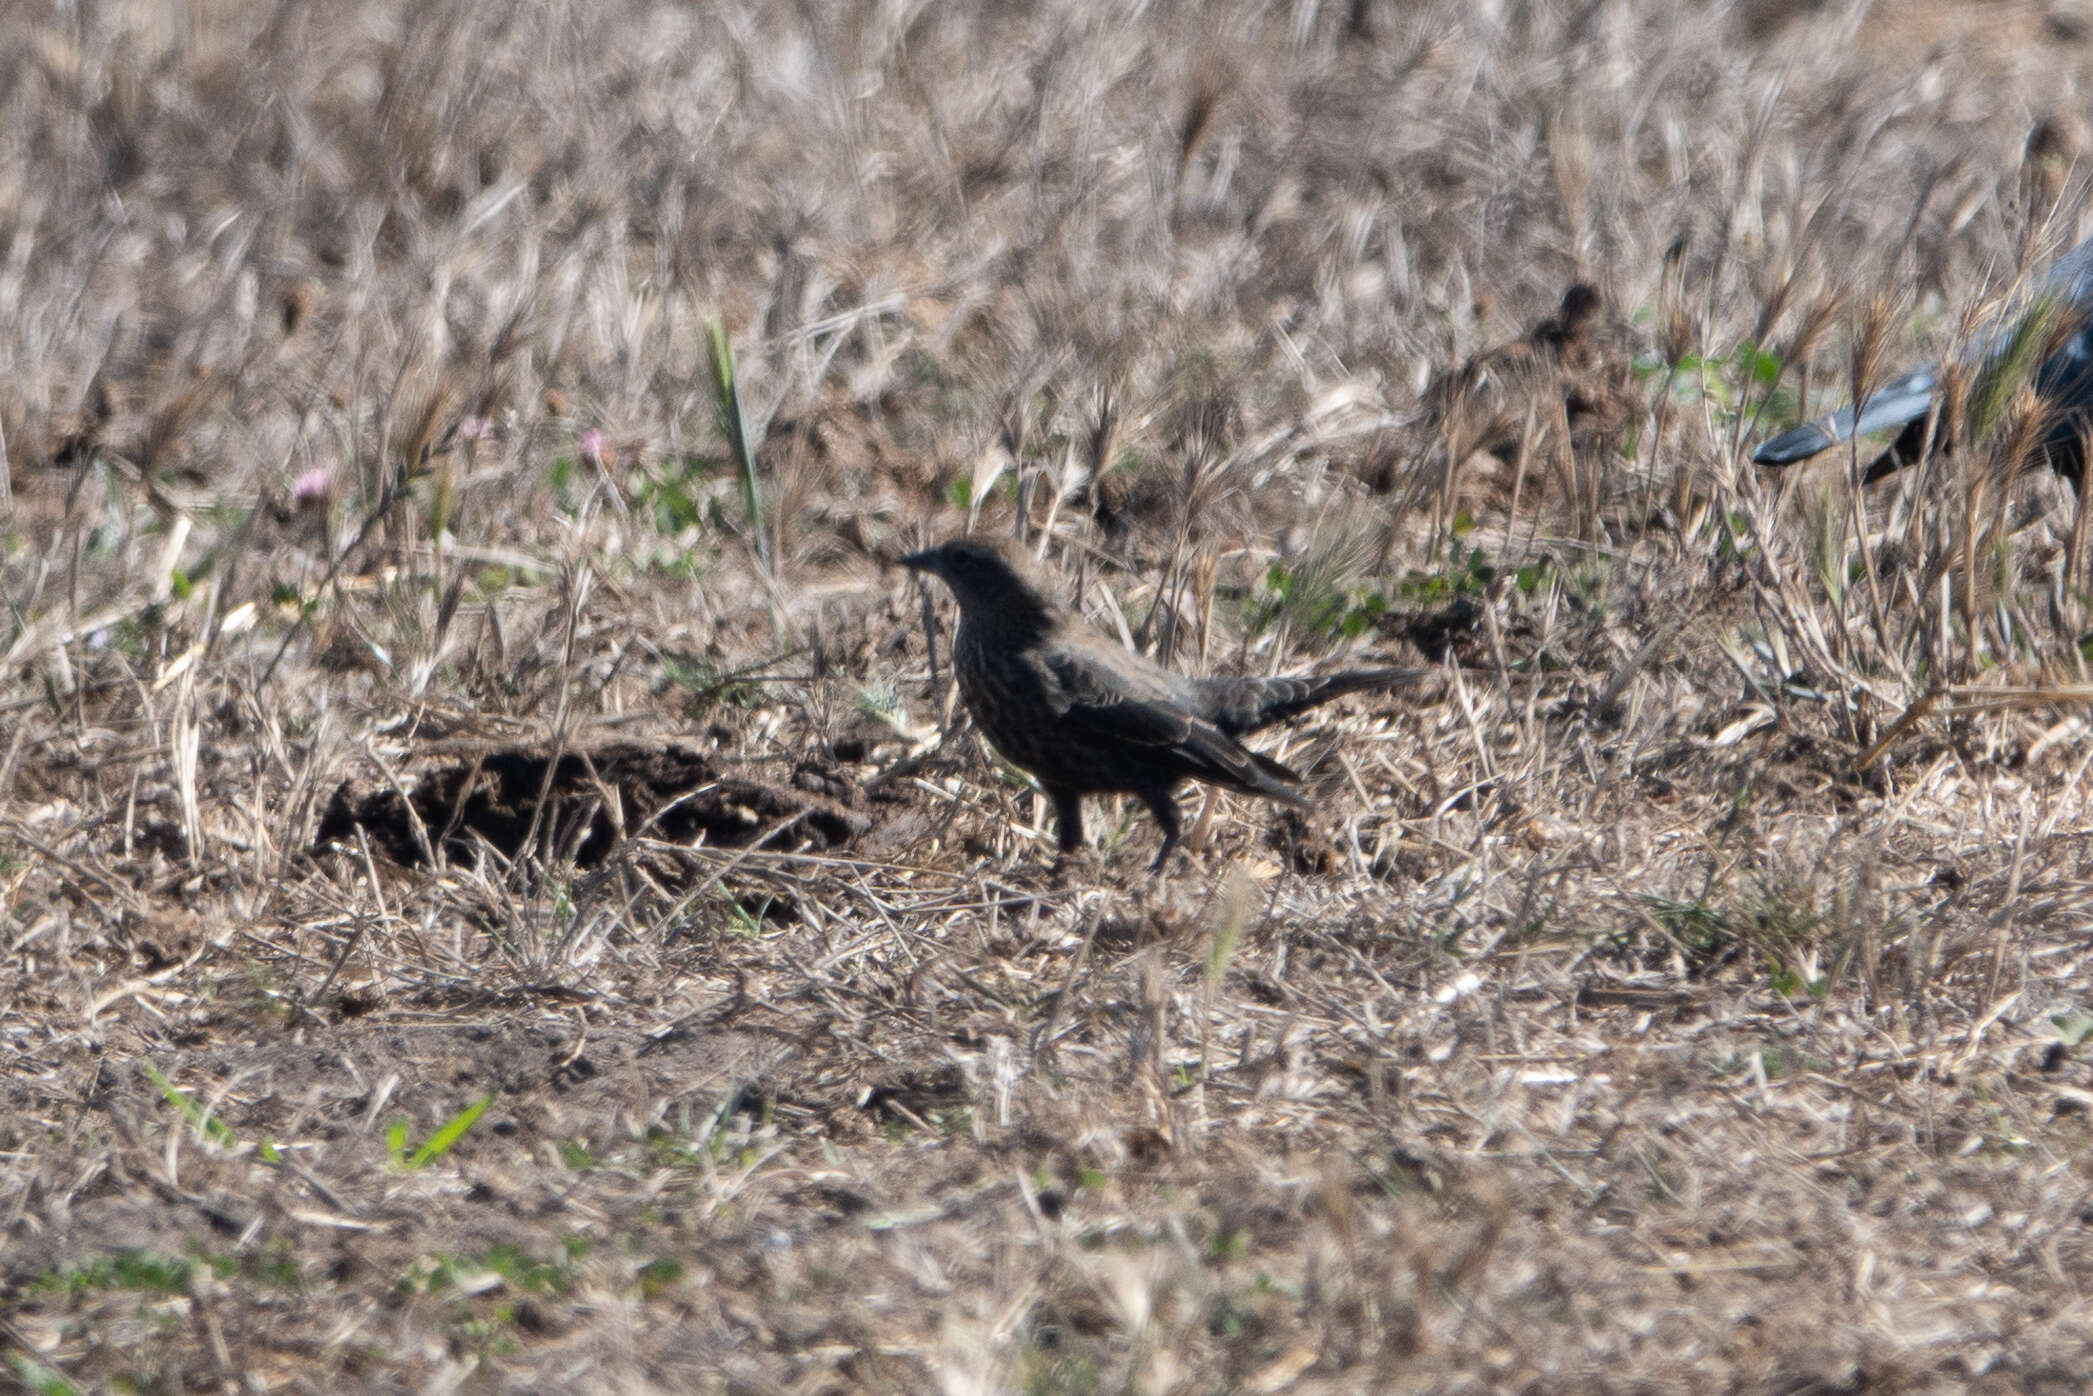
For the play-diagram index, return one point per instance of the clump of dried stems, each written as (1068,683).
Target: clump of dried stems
(1686,990)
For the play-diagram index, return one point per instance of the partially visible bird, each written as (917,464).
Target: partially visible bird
(1572,372)
(1088,716)
(2052,324)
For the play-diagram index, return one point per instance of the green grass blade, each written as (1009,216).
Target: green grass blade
(200,1119)
(40,1379)
(453,1130)
(734,426)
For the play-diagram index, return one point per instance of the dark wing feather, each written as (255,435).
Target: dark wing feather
(1106,703)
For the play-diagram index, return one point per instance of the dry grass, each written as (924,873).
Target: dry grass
(1609,1027)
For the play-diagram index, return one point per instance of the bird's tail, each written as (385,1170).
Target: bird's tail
(1240,705)
(1276,781)
(1895,405)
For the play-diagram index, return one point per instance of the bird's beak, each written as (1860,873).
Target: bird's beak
(925,561)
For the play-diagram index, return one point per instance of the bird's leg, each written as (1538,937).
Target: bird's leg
(1163,805)
(1068,822)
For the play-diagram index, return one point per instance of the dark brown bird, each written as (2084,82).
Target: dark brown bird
(1087,716)
(1576,367)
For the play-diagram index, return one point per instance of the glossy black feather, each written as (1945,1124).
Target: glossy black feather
(2058,308)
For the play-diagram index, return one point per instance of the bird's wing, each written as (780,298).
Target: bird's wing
(1905,400)
(2065,289)
(2067,374)
(1107,702)
(2070,277)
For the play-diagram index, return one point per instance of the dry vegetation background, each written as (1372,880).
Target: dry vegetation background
(1607,1028)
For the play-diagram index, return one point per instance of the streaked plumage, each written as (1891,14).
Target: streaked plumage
(1088,716)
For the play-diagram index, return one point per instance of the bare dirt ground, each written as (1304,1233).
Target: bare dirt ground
(495,891)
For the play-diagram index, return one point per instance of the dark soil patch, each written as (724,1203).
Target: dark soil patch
(581,805)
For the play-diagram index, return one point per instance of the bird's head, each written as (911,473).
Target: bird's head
(992,578)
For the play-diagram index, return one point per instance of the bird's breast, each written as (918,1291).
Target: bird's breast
(1011,700)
